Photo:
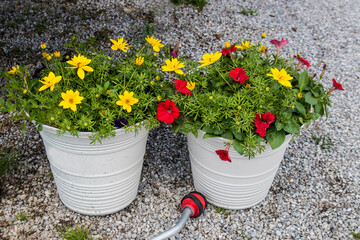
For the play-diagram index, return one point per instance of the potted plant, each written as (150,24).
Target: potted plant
(242,106)
(93,110)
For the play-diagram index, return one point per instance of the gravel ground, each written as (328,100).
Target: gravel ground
(316,194)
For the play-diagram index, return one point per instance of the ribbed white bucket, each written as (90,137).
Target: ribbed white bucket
(96,179)
(237,185)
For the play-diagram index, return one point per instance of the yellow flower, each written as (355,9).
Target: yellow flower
(108,91)
(245,45)
(190,85)
(50,81)
(210,58)
(262,49)
(85,124)
(267,89)
(227,44)
(70,99)
(248,86)
(48,57)
(159,98)
(44,54)
(14,70)
(292,106)
(68,127)
(120,44)
(211,97)
(239,107)
(127,100)
(155,43)
(263,35)
(173,65)
(43,46)
(281,76)
(299,95)
(97,95)
(57,54)
(24,91)
(139,61)
(152,82)
(155,54)
(52,118)
(237,123)
(157,78)
(80,63)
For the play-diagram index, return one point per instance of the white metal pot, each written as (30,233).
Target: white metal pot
(96,179)
(239,184)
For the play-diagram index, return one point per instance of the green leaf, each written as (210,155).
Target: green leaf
(279,125)
(300,108)
(287,114)
(310,99)
(301,120)
(208,129)
(177,124)
(238,135)
(314,116)
(208,135)
(275,138)
(40,127)
(319,108)
(106,85)
(218,131)
(292,127)
(195,132)
(259,139)
(303,80)
(185,129)
(23,127)
(198,124)
(227,135)
(238,146)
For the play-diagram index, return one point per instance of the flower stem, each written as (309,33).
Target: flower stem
(224,78)
(129,80)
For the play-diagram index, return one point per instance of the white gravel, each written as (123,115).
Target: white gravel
(316,194)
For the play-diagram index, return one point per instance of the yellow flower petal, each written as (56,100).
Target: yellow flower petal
(81,73)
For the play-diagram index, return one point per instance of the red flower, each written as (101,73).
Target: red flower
(180,85)
(263,122)
(336,85)
(238,74)
(279,44)
(230,50)
(233,48)
(301,62)
(167,111)
(224,154)
(225,51)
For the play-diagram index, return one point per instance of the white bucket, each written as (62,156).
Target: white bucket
(96,179)
(239,184)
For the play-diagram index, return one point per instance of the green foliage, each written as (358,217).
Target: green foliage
(356,235)
(8,160)
(325,141)
(225,108)
(197,3)
(249,11)
(75,234)
(222,211)
(22,217)
(114,73)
